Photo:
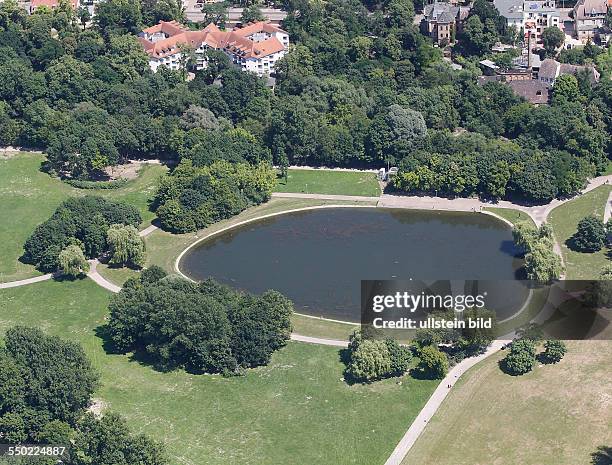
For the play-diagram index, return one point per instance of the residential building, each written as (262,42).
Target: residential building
(551,69)
(589,18)
(256,47)
(531,17)
(535,92)
(442,21)
(51,4)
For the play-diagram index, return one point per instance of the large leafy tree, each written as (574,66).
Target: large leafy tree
(590,236)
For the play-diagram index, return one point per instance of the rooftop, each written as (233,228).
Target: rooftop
(235,41)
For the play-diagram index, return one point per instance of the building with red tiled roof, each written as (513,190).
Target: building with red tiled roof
(52,4)
(256,47)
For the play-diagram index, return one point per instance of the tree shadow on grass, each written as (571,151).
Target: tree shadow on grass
(504,367)
(602,456)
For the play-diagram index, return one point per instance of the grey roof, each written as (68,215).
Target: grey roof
(549,69)
(585,9)
(531,90)
(441,12)
(509,9)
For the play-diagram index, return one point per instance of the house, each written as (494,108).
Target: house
(589,18)
(441,21)
(551,69)
(256,47)
(51,4)
(531,17)
(535,92)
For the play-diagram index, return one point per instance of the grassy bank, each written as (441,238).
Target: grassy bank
(296,410)
(29,197)
(330,182)
(564,220)
(514,216)
(493,418)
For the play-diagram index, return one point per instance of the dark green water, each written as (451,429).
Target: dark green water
(318,257)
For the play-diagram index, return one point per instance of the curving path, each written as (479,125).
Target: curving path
(556,297)
(23,282)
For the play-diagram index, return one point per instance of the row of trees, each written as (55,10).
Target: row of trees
(193,197)
(372,356)
(206,327)
(46,385)
(86,227)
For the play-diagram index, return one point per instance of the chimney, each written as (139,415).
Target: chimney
(529,50)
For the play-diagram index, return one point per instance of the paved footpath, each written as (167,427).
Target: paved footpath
(434,402)
(23,282)
(538,213)
(556,297)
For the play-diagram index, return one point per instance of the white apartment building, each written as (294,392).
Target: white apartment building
(255,48)
(529,16)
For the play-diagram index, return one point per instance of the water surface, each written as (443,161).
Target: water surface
(318,257)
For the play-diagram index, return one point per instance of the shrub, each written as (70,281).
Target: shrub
(521,358)
(590,236)
(84,184)
(554,351)
(433,362)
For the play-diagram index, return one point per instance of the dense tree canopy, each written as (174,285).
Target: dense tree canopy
(46,385)
(79,221)
(204,327)
(361,86)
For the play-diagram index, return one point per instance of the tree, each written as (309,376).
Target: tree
(554,351)
(521,358)
(433,362)
(401,357)
(590,236)
(83,15)
(215,13)
(552,39)
(118,17)
(542,264)
(251,14)
(201,328)
(108,441)
(126,247)
(565,89)
(60,378)
(371,360)
(72,261)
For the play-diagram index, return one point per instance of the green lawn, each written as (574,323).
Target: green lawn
(556,415)
(564,220)
(30,196)
(297,410)
(514,216)
(330,182)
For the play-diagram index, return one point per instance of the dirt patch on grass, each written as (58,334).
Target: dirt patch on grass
(127,171)
(97,407)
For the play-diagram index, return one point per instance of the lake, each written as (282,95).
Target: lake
(318,257)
